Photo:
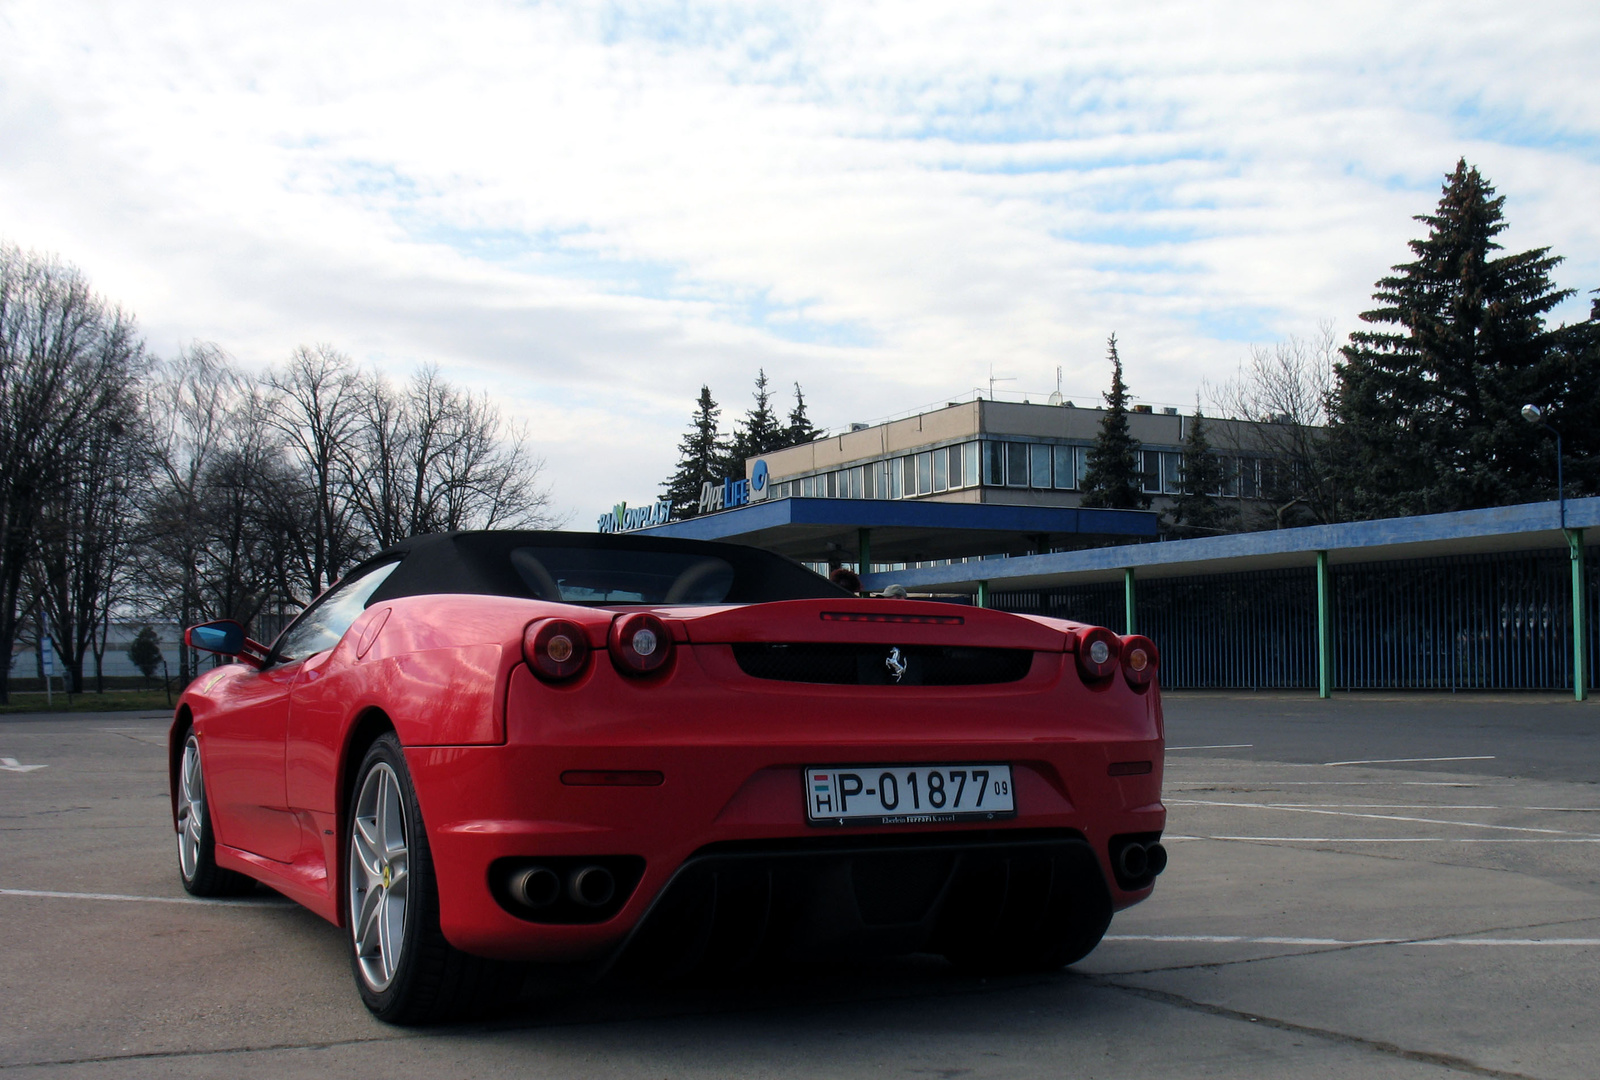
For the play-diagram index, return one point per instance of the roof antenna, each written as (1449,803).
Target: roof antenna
(1056,398)
(993,378)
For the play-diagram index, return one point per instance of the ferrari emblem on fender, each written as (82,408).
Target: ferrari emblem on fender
(896,666)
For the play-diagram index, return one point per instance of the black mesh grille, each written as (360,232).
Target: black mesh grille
(870,665)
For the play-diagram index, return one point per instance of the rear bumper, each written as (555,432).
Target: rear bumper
(731,751)
(846,897)
(486,804)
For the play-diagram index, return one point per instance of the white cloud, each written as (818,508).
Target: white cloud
(591,210)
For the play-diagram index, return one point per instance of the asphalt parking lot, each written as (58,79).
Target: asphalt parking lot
(1371,887)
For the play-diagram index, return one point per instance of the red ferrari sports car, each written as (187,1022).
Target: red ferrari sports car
(484,749)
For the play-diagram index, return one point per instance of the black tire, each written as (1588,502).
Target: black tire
(197,845)
(423,979)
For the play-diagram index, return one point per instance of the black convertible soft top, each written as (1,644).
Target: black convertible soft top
(593,568)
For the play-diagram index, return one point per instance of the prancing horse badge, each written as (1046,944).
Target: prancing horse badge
(896,666)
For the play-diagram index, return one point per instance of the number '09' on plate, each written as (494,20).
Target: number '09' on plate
(908,794)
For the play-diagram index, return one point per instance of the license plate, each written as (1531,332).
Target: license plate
(908,794)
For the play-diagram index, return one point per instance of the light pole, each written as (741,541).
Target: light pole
(1580,638)
(1535,416)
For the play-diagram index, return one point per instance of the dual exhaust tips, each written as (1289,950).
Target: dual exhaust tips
(540,887)
(1138,860)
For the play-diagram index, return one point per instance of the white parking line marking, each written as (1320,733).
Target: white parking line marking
(1421,806)
(1197,785)
(9,764)
(1397,760)
(1233,939)
(1370,817)
(53,895)
(1216,746)
(1397,839)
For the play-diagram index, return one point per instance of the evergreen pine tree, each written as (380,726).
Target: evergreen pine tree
(1197,512)
(1114,478)
(758,433)
(1426,409)
(700,456)
(145,652)
(1577,410)
(801,429)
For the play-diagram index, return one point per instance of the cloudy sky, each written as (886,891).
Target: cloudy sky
(590,209)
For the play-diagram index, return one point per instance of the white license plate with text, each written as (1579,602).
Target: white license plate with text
(908,794)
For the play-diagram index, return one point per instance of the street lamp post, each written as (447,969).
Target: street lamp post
(1580,638)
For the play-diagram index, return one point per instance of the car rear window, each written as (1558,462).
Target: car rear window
(575,575)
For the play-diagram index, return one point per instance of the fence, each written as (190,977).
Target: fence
(1481,622)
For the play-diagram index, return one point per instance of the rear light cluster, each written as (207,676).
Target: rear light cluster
(1101,652)
(558,649)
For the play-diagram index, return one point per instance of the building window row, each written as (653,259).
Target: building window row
(1240,477)
(1034,465)
(948,468)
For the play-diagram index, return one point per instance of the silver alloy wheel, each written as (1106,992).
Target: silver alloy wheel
(379,882)
(191,809)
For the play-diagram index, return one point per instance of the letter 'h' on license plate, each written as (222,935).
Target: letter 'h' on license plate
(908,794)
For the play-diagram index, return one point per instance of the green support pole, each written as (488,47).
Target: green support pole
(1128,600)
(983,594)
(1580,629)
(1324,627)
(864,551)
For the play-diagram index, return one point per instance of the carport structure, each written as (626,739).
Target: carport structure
(1481,599)
(868,531)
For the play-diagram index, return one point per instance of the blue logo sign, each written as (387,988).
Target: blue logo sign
(758,479)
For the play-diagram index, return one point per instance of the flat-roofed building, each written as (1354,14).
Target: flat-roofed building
(1005,453)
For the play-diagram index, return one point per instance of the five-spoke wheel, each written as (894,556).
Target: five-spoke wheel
(405,969)
(380,882)
(197,864)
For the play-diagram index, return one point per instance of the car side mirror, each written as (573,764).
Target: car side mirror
(225,636)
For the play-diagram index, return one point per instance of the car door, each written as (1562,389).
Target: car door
(247,742)
(316,704)
(243,747)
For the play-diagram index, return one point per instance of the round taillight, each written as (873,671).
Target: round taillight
(555,648)
(640,644)
(1098,652)
(1139,660)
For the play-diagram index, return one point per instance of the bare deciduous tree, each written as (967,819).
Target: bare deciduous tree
(432,458)
(83,547)
(315,403)
(68,361)
(1286,388)
(190,406)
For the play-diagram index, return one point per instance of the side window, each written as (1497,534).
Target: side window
(322,624)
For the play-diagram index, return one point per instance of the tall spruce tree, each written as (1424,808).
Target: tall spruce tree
(1197,512)
(1114,478)
(700,456)
(1426,410)
(801,429)
(1576,411)
(758,433)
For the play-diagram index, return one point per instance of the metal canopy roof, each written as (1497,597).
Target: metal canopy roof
(1502,528)
(816,530)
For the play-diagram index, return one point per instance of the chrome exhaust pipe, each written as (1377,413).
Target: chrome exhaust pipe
(592,886)
(536,886)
